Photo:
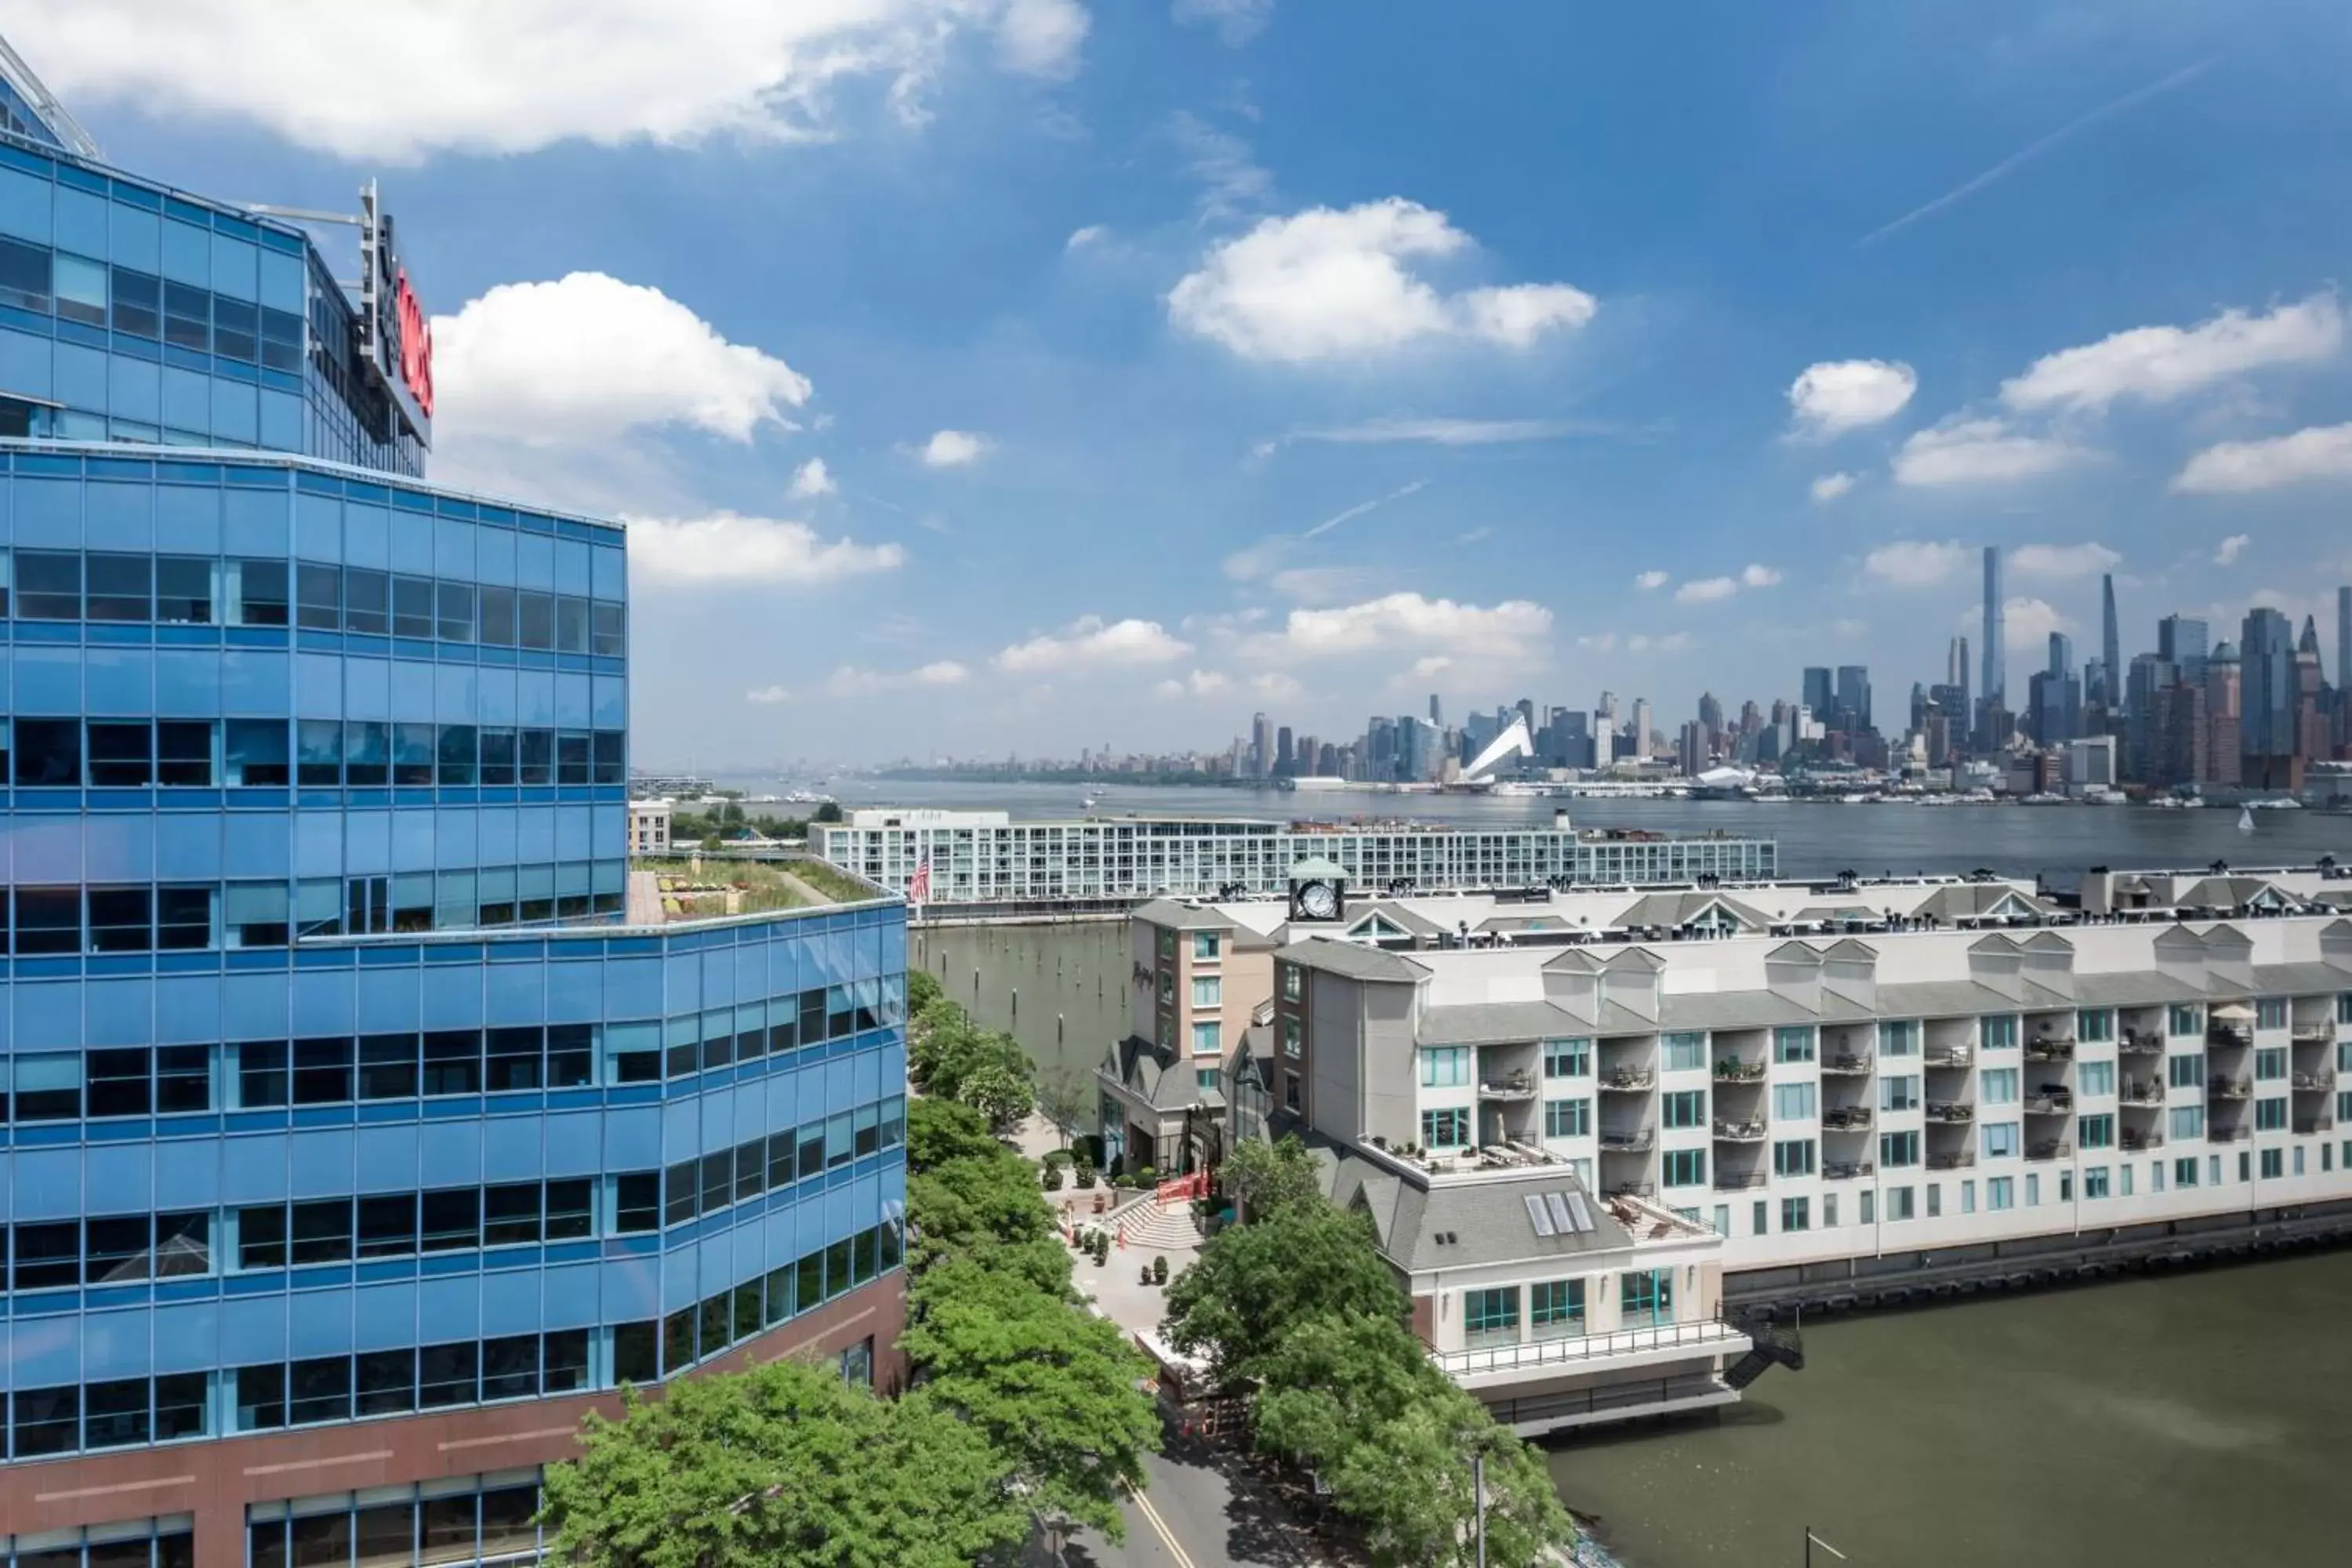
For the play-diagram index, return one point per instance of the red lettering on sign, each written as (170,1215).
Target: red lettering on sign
(416,344)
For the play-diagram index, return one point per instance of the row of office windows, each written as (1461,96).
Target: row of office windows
(131,1412)
(168,1541)
(180,917)
(311,753)
(142,305)
(439,1524)
(692,1188)
(203,590)
(123,1249)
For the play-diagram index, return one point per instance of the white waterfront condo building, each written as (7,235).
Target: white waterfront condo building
(986,857)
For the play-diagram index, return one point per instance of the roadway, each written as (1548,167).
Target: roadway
(1203,1509)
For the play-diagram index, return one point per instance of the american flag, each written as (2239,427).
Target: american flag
(919,886)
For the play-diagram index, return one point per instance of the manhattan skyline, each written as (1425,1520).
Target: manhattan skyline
(1033,375)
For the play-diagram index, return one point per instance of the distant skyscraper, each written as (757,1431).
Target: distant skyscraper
(1261,746)
(1285,761)
(1955,675)
(1853,697)
(1436,715)
(2343,639)
(1996,627)
(2182,640)
(1641,728)
(2267,728)
(2061,654)
(1818,693)
(2111,650)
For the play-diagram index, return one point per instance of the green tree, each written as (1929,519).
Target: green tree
(963,1205)
(1051,1387)
(938,1131)
(829,812)
(922,989)
(999,1090)
(781,1467)
(1409,1483)
(1270,1179)
(1065,1099)
(1254,1283)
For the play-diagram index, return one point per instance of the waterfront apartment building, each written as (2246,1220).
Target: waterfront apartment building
(985,857)
(351,1149)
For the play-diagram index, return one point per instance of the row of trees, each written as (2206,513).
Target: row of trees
(1024,1404)
(951,1058)
(1298,1304)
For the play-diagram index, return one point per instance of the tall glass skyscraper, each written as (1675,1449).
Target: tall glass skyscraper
(350,1142)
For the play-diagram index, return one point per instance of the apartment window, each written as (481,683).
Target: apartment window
(2344,1007)
(1208,1079)
(1645,1296)
(1568,1059)
(2184,1172)
(2213,1169)
(1999,1032)
(1683,1107)
(1445,1067)
(1723,1219)
(1793,1157)
(2270,1012)
(1793,1102)
(2000,1086)
(1556,1309)
(1204,944)
(1447,1128)
(1686,1167)
(2096,1132)
(1686,1051)
(2032,1189)
(2094,1183)
(1793,1043)
(2269,1064)
(2001,1193)
(2187,1071)
(2275,1163)
(1968,1197)
(1935,1200)
(1899,1091)
(1291,983)
(1866,1204)
(2096,1025)
(2187,1121)
(1490,1317)
(1829,1210)
(2183,1018)
(1568,1118)
(2098,1079)
(1897,1150)
(1290,1037)
(1796,1215)
(2000,1141)
(1208,990)
(1898,1202)
(1206,1039)
(1899,1037)
(2270,1115)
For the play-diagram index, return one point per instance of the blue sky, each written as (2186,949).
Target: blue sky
(989,375)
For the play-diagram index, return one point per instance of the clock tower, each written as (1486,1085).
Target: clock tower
(1318,892)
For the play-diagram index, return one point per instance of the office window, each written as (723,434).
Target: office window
(1998,1033)
(2001,1193)
(1899,1037)
(1683,1107)
(2270,1115)
(1686,1051)
(2094,1025)
(1793,1043)
(2000,1086)
(1793,1102)
(2269,1064)
(1896,1150)
(2186,1121)
(47,754)
(1491,1316)
(1445,1067)
(2187,1071)
(1645,1296)
(1686,1167)
(1556,1307)
(1999,1140)
(120,587)
(2098,1078)
(1568,1059)
(2096,1132)
(1568,1118)
(1796,1215)
(1899,1091)
(48,585)
(1445,1129)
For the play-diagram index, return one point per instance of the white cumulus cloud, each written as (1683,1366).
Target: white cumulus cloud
(1080,238)
(1398,622)
(1091,640)
(1200,683)
(2026,626)
(851,681)
(768,696)
(1980,451)
(2062,562)
(813,479)
(2226,553)
(1914,564)
(411,78)
(1829,486)
(2323,452)
(1649,581)
(1328,283)
(726,548)
(1837,395)
(1276,687)
(2158,365)
(952,449)
(1707,590)
(1757,575)
(586,358)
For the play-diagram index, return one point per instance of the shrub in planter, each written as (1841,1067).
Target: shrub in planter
(1143,1176)
(1146,1279)
(1159,1270)
(1085,1176)
(1052,1178)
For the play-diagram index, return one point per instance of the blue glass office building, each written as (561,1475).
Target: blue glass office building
(349,1140)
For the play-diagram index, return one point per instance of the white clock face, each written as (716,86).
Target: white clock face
(1319,900)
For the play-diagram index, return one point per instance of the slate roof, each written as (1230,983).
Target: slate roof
(1155,1077)
(1177,916)
(1674,910)
(1494,1023)
(1487,1219)
(1351,959)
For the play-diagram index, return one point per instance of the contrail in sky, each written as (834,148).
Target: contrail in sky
(1360,508)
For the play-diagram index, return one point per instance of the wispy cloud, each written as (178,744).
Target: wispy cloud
(1360,508)
(2036,149)
(1267,556)
(1443,432)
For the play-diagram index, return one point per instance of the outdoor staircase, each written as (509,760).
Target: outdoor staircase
(1149,1228)
(1774,1345)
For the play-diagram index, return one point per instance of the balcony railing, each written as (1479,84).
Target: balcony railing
(1529,1355)
(1948,1057)
(1519,1085)
(2050,1149)
(1845,1064)
(2310,1124)
(2141,1142)
(1954,1111)
(1844,1169)
(1846,1118)
(1957,1160)
(1627,1080)
(2136,1043)
(1637,1141)
(2229,1038)
(1738,1131)
(2142,1091)
(1631,1190)
(2050,1048)
(1739,1181)
(2240,1133)
(2048,1105)
(2220,1087)
(2312,1082)
(2314,1034)
(1731,1070)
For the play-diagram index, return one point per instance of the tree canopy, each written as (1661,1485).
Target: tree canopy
(1270,1179)
(1254,1283)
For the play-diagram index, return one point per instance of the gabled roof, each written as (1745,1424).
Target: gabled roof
(1996,944)
(2047,941)
(1176,916)
(1157,1077)
(1583,960)
(1795,952)
(1459,1225)
(1351,959)
(1674,911)
(1495,1022)
(2179,938)
(1979,900)
(1315,868)
(1633,958)
(1847,947)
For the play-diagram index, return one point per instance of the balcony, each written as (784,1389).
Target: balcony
(1627,1080)
(1739,1181)
(1515,1085)
(1733,1070)
(2320,1034)
(1738,1131)
(2228,1038)
(2312,1082)
(1846,1064)
(2220,1086)
(1551,1355)
(2050,1048)
(1957,1160)
(2140,1043)
(1948,1057)
(2142,1092)
(2240,1133)
(2308,1125)
(1950,1111)
(1844,1169)
(1631,1190)
(2135,1143)
(1637,1141)
(2050,1149)
(1846,1118)
(2048,1104)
